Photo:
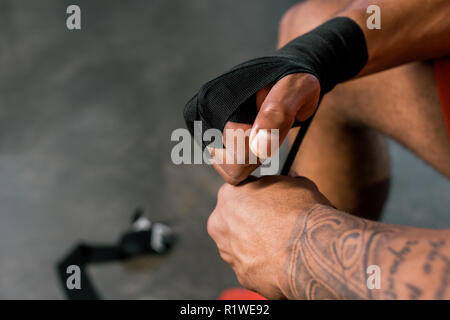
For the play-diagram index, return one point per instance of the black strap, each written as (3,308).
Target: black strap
(145,238)
(295,147)
(81,256)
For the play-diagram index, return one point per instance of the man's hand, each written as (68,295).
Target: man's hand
(252,224)
(283,239)
(294,97)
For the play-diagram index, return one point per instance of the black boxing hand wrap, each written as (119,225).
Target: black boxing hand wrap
(333,52)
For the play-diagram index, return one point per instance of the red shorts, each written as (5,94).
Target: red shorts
(442,75)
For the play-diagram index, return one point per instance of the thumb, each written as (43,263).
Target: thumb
(287,100)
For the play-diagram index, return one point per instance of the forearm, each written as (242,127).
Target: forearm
(411,30)
(330,252)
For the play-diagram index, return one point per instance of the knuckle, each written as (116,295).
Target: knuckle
(222,191)
(225,257)
(243,280)
(312,81)
(275,112)
(211,225)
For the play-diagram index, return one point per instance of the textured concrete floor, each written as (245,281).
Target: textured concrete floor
(85,124)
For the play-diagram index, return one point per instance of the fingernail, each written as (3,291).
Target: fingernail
(259,144)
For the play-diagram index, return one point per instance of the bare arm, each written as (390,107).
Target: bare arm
(411,30)
(331,252)
(284,239)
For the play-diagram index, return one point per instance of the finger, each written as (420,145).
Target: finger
(235,162)
(279,110)
(261,96)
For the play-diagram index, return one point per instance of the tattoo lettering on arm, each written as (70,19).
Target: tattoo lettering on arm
(399,257)
(414,292)
(329,252)
(432,255)
(440,293)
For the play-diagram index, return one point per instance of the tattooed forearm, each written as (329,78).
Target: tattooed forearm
(330,252)
(441,292)
(398,258)
(414,292)
(432,255)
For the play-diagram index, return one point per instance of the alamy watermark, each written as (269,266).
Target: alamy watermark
(73,281)
(73,21)
(374,20)
(232,147)
(374,278)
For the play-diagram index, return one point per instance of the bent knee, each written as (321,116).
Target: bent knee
(305,16)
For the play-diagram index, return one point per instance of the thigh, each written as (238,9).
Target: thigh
(345,152)
(402,103)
